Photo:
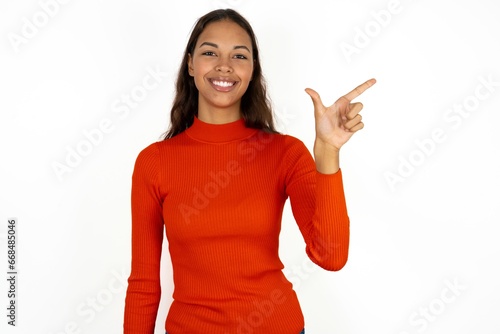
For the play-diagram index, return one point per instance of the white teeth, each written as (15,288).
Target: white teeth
(223,83)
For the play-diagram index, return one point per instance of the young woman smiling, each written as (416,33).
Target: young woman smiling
(221,66)
(216,186)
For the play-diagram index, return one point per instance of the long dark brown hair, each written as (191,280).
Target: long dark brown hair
(256,107)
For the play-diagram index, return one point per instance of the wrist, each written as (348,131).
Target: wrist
(326,157)
(322,146)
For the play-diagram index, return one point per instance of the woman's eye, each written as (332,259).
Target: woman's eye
(240,57)
(208,53)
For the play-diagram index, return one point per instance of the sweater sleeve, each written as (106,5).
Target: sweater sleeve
(144,291)
(319,207)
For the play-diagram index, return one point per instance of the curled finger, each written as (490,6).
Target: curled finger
(354,109)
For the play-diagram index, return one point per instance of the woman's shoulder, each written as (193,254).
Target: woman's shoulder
(154,149)
(164,144)
(148,155)
(287,147)
(291,142)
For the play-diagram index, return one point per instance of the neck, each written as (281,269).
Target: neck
(219,133)
(214,115)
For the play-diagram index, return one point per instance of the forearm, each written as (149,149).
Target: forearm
(329,237)
(318,205)
(141,306)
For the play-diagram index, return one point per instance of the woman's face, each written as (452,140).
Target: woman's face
(222,67)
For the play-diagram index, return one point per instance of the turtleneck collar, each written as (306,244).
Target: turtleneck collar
(219,133)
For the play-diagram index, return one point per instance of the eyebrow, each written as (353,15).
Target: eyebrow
(216,46)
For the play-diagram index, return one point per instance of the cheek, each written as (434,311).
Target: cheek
(247,73)
(199,67)
(198,74)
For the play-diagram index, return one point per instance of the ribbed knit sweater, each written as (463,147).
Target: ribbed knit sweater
(218,192)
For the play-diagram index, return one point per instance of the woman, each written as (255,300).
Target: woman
(218,184)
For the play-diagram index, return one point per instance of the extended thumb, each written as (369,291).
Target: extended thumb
(316,99)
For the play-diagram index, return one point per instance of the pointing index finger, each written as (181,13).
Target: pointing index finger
(360,89)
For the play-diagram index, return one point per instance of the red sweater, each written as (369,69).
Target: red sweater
(219,192)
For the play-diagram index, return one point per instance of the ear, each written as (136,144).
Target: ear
(190,65)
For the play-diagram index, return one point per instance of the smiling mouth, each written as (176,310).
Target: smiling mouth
(224,84)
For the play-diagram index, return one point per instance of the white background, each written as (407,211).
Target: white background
(424,214)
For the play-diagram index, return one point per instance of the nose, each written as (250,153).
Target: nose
(224,66)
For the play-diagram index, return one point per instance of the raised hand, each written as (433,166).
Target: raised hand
(336,124)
